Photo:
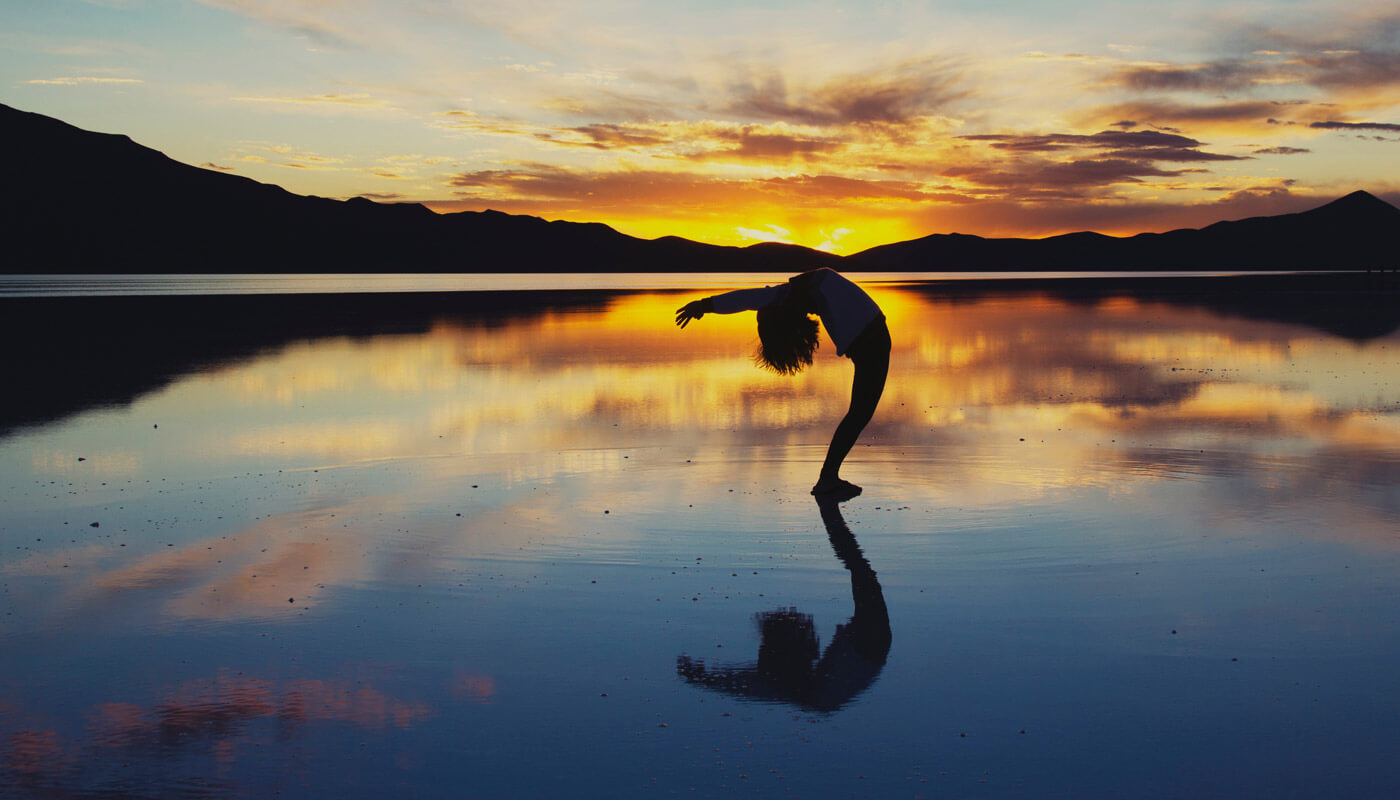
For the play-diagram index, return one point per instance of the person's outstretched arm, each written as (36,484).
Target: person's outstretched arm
(728,303)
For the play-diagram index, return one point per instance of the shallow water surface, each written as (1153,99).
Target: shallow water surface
(1112,543)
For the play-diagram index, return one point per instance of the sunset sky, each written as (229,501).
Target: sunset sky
(833,125)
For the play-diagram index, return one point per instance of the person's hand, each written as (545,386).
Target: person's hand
(695,309)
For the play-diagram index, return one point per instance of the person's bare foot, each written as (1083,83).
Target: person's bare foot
(835,488)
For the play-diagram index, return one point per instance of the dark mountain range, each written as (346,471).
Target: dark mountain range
(1359,231)
(83,202)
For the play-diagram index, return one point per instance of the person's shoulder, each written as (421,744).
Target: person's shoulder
(813,275)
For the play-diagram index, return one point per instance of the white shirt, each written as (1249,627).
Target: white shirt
(845,309)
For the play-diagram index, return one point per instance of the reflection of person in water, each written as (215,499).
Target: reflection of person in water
(788,645)
(788,336)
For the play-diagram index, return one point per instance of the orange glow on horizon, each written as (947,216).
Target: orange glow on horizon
(840,230)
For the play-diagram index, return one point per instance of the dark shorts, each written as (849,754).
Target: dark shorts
(873,343)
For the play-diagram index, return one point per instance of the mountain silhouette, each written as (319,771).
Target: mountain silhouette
(1358,231)
(84,202)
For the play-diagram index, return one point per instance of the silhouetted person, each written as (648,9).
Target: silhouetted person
(788,645)
(788,337)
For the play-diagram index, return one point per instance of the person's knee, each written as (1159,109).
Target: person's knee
(857,418)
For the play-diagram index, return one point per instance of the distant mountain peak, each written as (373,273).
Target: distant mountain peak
(1361,199)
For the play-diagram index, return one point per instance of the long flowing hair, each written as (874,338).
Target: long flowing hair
(787,338)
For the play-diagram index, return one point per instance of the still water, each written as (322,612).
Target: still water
(1114,541)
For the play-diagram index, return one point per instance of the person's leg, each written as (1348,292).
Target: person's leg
(871,355)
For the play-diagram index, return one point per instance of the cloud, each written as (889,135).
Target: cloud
(606,136)
(840,188)
(602,190)
(212,165)
(338,101)
(707,140)
(310,161)
(538,182)
(1141,145)
(381,196)
(895,95)
(1352,49)
(286,156)
(1281,151)
(609,105)
(1326,70)
(1163,112)
(1058,179)
(1356,70)
(1064,166)
(753,143)
(83,79)
(1212,77)
(472,122)
(1333,125)
(700,141)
